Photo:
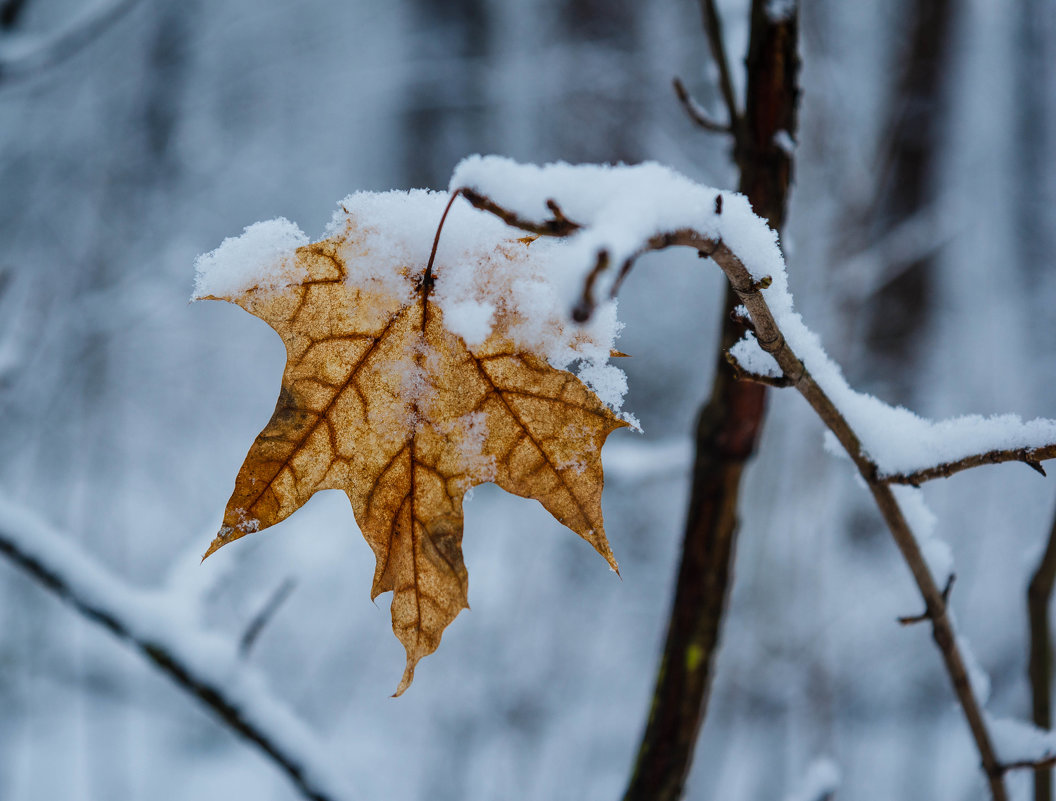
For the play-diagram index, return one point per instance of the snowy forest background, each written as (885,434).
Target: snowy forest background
(920,247)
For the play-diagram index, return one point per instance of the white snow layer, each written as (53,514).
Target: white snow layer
(978,678)
(621,207)
(485,273)
(1019,741)
(922,521)
(259,257)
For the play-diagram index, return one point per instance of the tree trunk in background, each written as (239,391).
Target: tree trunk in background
(1034,242)
(727,432)
(908,186)
(446,116)
(1034,85)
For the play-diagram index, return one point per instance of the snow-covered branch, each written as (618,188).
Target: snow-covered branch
(201,663)
(611,216)
(744,374)
(1032,456)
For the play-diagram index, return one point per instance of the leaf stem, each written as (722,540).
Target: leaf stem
(427,277)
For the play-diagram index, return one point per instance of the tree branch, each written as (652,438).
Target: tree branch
(264,616)
(696,112)
(235,694)
(1032,457)
(1039,593)
(558,225)
(771,339)
(743,374)
(1041,765)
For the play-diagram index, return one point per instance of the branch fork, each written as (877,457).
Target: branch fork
(929,614)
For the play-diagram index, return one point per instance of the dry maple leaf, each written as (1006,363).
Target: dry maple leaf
(379,399)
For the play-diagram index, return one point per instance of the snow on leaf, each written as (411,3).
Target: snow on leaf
(382,399)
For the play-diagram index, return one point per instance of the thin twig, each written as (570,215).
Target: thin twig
(1039,593)
(910,620)
(582,311)
(1045,764)
(264,616)
(59,566)
(696,112)
(759,378)
(621,276)
(1032,457)
(772,340)
(717,44)
(559,225)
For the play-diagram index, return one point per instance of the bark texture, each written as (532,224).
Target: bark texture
(1039,593)
(728,428)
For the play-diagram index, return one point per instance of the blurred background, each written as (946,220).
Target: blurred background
(135,135)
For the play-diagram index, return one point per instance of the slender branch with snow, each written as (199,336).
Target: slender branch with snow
(625,212)
(201,663)
(1030,455)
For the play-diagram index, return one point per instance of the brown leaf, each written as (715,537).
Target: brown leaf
(380,400)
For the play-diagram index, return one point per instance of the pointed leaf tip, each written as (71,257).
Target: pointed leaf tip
(408,677)
(214,546)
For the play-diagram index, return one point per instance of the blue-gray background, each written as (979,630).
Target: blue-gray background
(125,412)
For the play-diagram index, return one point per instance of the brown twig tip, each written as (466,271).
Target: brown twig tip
(742,319)
(625,270)
(718,205)
(558,225)
(741,374)
(264,616)
(680,89)
(583,310)
(559,216)
(1031,457)
(910,620)
(1047,761)
(696,112)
